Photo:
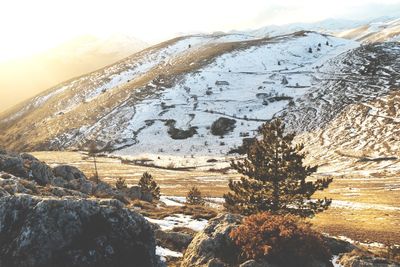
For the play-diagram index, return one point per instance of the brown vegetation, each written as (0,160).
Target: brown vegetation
(284,240)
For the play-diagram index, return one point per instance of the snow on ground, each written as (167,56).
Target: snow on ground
(371,245)
(165,252)
(172,201)
(245,85)
(180,220)
(362,206)
(334,260)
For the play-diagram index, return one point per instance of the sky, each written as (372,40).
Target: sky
(31,26)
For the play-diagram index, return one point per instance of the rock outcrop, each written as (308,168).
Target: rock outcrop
(361,260)
(213,246)
(51,217)
(68,177)
(173,240)
(44,232)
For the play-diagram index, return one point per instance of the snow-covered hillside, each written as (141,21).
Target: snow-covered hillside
(368,31)
(376,31)
(201,95)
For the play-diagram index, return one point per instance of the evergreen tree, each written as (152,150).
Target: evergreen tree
(275,177)
(120,183)
(147,184)
(194,197)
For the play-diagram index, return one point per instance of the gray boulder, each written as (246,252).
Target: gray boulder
(213,246)
(84,186)
(68,173)
(37,232)
(13,164)
(337,246)
(14,185)
(26,156)
(40,172)
(173,240)
(133,192)
(364,260)
(103,190)
(26,166)
(72,177)
(147,196)
(3,193)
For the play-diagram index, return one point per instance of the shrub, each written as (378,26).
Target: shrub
(280,239)
(120,183)
(222,126)
(194,197)
(148,185)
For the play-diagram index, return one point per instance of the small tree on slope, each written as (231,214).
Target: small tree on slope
(147,184)
(194,197)
(275,177)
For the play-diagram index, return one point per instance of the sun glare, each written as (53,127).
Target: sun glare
(32,26)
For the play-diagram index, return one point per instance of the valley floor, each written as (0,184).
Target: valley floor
(365,208)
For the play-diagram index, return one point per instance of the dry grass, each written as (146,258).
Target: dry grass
(197,212)
(359,224)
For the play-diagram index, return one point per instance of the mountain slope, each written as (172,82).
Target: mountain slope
(170,98)
(381,29)
(373,32)
(25,77)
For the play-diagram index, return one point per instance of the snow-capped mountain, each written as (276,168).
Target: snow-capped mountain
(202,94)
(328,26)
(369,31)
(376,31)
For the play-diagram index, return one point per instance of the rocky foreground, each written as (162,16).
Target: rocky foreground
(58,217)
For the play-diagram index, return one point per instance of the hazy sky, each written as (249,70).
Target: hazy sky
(29,26)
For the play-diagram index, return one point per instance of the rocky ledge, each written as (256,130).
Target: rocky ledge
(57,217)
(37,231)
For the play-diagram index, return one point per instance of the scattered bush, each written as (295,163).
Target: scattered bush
(194,197)
(179,134)
(222,126)
(148,185)
(120,183)
(282,240)
(171,165)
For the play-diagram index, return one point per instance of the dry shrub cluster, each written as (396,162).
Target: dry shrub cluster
(283,240)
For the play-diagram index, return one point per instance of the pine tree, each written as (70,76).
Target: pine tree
(194,197)
(148,185)
(120,183)
(275,177)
